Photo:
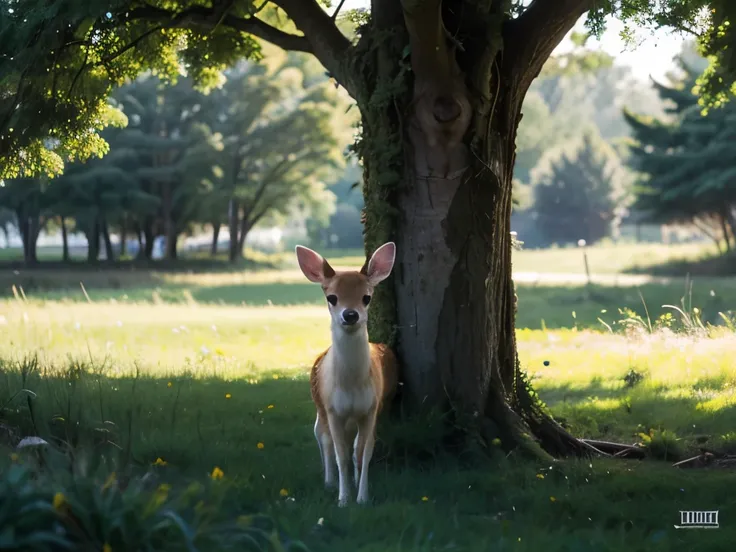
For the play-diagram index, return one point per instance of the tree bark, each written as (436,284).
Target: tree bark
(148,235)
(64,240)
(171,246)
(139,237)
(123,237)
(215,238)
(93,241)
(169,226)
(233,214)
(27,228)
(731,226)
(444,197)
(245,227)
(105,229)
(34,230)
(724,231)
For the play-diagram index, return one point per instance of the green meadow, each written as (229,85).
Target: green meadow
(197,379)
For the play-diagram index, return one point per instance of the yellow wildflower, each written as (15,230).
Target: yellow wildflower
(496,442)
(425,499)
(540,476)
(245,520)
(59,501)
(217,473)
(160,462)
(275,376)
(109,481)
(270,406)
(552,499)
(169,384)
(261,446)
(219,352)
(228,396)
(284,492)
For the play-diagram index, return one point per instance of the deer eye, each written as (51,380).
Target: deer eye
(366,300)
(332,300)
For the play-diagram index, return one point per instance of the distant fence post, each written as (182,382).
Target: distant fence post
(583,245)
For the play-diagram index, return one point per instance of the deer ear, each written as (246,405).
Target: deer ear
(381,263)
(314,267)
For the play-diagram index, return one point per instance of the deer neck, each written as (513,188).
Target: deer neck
(351,352)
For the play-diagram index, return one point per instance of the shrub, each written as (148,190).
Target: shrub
(73,509)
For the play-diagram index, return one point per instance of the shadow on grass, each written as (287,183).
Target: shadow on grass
(259,294)
(570,306)
(721,265)
(540,306)
(259,432)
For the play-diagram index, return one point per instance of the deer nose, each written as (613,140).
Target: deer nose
(350,316)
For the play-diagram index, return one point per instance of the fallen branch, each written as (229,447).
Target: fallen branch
(696,461)
(618,450)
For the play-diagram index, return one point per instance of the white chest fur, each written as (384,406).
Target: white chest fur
(347,383)
(352,402)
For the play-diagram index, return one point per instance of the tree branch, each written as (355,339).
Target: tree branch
(328,44)
(530,38)
(207,18)
(337,11)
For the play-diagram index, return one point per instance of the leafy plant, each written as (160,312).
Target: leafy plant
(633,377)
(59,509)
(661,444)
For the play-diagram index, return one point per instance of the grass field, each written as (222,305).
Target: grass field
(206,371)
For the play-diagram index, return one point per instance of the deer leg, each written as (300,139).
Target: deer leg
(358,447)
(337,429)
(326,451)
(366,434)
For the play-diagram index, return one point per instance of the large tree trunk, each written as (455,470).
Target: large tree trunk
(450,312)
(215,238)
(233,214)
(64,240)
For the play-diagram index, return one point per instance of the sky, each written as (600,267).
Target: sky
(653,56)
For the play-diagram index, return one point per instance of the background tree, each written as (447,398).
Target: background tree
(579,194)
(281,141)
(7,221)
(686,160)
(440,93)
(25,198)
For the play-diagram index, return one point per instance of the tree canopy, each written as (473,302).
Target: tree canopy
(266,144)
(60,60)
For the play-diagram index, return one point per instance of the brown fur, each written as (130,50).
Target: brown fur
(384,373)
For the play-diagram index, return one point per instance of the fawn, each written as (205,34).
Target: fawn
(353,378)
